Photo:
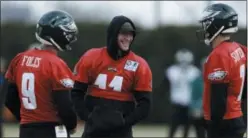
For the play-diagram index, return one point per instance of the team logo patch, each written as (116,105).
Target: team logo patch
(217,75)
(131,65)
(68,83)
(113,69)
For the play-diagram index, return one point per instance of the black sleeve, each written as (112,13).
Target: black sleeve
(142,109)
(218,101)
(244,94)
(78,93)
(12,100)
(64,106)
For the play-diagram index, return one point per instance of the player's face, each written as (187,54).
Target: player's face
(124,40)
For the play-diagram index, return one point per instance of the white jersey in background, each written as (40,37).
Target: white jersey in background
(180,79)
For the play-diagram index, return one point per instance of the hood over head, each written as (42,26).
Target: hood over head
(117,25)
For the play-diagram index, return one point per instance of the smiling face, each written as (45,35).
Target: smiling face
(124,40)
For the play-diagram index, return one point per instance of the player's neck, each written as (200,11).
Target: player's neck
(50,48)
(218,40)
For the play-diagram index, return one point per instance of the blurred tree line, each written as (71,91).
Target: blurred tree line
(157,46)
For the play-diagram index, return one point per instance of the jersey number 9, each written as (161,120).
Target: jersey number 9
(27,89)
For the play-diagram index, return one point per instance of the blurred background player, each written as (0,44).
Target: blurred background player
(224,73)
(2,71)
(39,81)
(119,84)
(180,76)
(195,108)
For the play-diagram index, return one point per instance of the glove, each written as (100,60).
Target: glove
(104,119)
(196,113)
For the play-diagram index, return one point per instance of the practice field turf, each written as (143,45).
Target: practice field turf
(11,130)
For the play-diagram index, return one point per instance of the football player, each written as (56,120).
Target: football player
(119,84)
(180,76)
(39,81)
(224,73)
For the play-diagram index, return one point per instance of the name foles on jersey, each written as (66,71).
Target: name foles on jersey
(67,82)
(131,65)
(217,75)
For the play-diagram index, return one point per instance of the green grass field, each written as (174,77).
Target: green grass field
(12,130)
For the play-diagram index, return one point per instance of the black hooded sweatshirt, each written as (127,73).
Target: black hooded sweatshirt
(133,112)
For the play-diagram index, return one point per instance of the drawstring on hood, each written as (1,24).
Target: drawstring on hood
(116,25)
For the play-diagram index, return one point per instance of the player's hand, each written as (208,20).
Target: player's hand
(116,119)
